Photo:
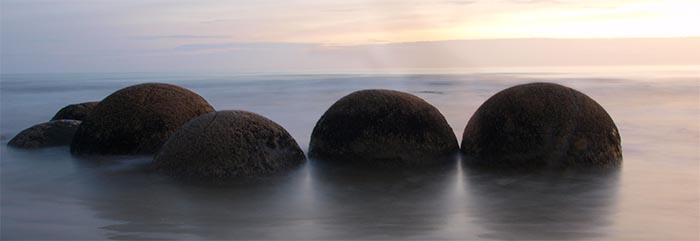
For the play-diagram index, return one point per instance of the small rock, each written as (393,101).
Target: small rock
(53,133)
(75,111)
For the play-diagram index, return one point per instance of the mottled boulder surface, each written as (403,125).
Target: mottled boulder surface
(75,111)
(541,125)
(383,128)
(53,133)
(137,119)
(228,144)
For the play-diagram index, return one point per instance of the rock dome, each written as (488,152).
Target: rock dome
(137,119)
(75,111)
(228,144)
(382,128)
(53,133)
(541,125)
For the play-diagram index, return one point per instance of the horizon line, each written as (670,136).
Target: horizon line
(318,71)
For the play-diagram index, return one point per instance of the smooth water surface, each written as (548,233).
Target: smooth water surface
(48,194)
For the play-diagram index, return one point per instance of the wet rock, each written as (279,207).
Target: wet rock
(228,144)
(382,128)
(541,125)
(53,133)
(75,111)
(137,119)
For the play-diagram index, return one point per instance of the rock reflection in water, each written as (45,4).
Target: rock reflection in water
(316,201)
(358,203)
(156,206)
(536,206)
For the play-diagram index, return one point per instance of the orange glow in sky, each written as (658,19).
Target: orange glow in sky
(154,35)
(369,22)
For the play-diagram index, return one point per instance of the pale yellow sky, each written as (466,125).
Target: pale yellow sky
(388,21)
(162,35)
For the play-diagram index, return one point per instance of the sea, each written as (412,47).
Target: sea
(48,194)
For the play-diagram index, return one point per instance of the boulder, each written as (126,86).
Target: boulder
(53,133)
(75,111)
(383,128)
(228,144)
(541,125)
(137,119)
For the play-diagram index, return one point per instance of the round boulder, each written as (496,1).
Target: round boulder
(382,128)
(53,133)
(137,119)
(75,111)
(228,144)
(541,125)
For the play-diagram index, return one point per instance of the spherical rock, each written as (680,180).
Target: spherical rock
(137,119)
(382,128)
(75,111)
(541,125)
(228,144)
(53,133)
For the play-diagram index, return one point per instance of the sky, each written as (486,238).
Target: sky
(208,35)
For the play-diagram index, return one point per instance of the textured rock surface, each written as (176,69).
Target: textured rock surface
(53,133)
(227,144)
(382,128)
(75,111)
(137,119)
(541,125)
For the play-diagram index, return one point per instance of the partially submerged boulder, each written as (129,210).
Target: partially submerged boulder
(52,133)
(228,144)
(137,119)
(541,125)
(382,128)
(75,111)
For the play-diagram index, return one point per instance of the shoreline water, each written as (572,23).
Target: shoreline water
(48,193)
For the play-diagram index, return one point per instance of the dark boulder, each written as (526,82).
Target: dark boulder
(383,128)
(75,111)
(137,119)
(53,133)
(541,125)
(228,144)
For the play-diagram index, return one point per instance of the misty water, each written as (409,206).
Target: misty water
(49,194)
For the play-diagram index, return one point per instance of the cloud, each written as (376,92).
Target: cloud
(218,20)
(181,36)
(241,45)
(198,47)
(459,2)
(534,1)
(342,10)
